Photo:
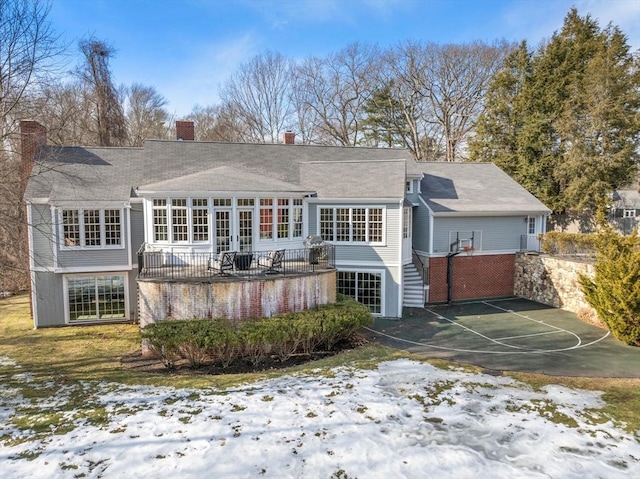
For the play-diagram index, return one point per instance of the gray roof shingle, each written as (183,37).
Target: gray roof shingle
(474,189)
(75,173)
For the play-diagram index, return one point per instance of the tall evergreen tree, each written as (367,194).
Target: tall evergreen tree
(564,120)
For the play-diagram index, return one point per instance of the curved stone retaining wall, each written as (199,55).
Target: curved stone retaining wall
(235,300)
(552,281)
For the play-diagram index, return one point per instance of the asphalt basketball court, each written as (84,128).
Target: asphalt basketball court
(510,335)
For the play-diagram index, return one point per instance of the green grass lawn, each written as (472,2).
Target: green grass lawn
(78,354)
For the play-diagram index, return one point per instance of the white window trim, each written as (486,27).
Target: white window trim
(65,292)
(383,289)
(409,183)
(383,209)
(407,226)
(82,246)
(234,207)
(187,209)
(291,207)
(629,213)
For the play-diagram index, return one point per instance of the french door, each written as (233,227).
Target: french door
(236,235)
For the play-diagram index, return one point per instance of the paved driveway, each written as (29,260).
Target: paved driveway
(510,335)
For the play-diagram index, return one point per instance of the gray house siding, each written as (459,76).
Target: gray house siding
(98,258)
(497,233)
(48,299)
(421,229)
(41,232)
(137,231)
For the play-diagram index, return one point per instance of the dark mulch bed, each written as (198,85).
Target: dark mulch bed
(150,364)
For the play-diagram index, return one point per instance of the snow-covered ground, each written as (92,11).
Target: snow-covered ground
(404,419)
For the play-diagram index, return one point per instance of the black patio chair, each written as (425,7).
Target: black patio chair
(223,263)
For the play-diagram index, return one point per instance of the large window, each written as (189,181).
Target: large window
(280,218)
(179,220)
(160,221)
(200,218)
(297,218)
(364,287)
(283,218)
(112,228)
(358,225)
(91,228)
(266,218)
(93,298)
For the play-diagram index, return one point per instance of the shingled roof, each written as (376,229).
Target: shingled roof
(76,173)
(468,189)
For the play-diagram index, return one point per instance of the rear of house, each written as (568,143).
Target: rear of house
(401,233)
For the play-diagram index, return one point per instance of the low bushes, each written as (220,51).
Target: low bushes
(557,243)
(202,341)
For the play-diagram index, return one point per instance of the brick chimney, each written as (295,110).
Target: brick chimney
(289,138)
(33,135)
(185,130)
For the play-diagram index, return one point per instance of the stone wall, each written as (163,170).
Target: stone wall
(552,281)
(234,300)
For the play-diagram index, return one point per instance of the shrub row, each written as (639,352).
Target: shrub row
(202,341)
(558,243)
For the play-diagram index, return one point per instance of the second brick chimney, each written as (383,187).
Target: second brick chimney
(289,138)
(185,130)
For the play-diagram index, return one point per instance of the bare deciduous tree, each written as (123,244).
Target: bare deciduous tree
(455,80)
(258,95)
(109,115)
(440,91)
(29,52)
(66,109)
(217,123)
(333,92)
(146,115)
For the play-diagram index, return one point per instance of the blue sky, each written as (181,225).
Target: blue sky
(187,48)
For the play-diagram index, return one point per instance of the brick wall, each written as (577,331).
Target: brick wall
(479,276)
(235,300)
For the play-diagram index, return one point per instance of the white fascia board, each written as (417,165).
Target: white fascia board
(93,269)
(84,204)
(426,205)
(37,201)
(478,253)
(219,194)
(368,264)
(353,200)
(475,214)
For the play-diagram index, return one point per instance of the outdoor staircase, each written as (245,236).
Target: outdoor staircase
(413,296)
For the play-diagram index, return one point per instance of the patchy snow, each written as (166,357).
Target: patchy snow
(403,420)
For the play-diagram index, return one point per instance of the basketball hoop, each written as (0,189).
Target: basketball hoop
(468,250)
